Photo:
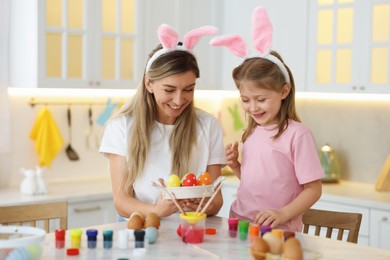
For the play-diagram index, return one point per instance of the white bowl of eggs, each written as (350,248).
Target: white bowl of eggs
(190,186)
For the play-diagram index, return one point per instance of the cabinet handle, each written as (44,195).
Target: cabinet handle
(384,219)
(78,210)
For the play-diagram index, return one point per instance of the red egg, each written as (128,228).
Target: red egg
(188,180)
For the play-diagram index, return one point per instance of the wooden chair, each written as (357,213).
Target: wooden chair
(35,213)
(331,220)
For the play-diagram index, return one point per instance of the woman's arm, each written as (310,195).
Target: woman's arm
(127,204)
(311,193)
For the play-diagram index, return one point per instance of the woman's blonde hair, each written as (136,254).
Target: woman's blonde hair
(143,110)
(266,74)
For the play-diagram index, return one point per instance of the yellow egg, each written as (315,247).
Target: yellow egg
(274,242)
(292,249)
(259,248)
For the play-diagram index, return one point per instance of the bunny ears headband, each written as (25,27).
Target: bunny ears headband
(262,41)
(169,40)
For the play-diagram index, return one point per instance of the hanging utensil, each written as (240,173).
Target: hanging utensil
(91,137)
(70,152)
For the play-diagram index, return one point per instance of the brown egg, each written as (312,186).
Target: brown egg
(152,220)
(259,248)
(292,249)
(136,221)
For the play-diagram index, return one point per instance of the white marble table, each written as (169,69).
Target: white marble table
(169,245)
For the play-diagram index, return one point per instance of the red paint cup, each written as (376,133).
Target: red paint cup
(233,226)
(192,227)
(60,238)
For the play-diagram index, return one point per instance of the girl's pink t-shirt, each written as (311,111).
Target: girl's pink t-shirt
(273,171)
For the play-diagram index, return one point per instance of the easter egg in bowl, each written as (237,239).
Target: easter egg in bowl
(173,181)
(191,190)
(188,180)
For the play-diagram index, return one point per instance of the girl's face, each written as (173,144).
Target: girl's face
(262,104)
(172,95)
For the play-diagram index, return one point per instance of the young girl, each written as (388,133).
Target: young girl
(280,170)
(160,132)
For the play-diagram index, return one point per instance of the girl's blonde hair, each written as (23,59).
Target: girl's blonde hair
(266,74)
(143,110)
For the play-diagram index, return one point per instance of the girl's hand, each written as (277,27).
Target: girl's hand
(231,153)
(270,217)
(164,208)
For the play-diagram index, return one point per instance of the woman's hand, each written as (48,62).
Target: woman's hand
(191,204)
(164,208)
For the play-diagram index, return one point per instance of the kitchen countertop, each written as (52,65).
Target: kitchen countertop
(361,194)
(357,193)
(70,190)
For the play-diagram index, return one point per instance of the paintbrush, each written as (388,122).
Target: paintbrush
(210,200)
(201,202)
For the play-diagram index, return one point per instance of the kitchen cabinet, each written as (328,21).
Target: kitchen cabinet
(69,43)
(380,228)
(349,46)
(101,43)
(91,212)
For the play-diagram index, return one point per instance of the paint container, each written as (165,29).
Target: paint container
(254,230)
(265,229)
(243,226)
(288,234)
(139,238)
(107,238)
(75,238)
(123,239)
(233,226)
(192,227)
(278,233)
(60,238)
(92,235)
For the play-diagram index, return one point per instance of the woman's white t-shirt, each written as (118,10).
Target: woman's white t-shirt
(209,150)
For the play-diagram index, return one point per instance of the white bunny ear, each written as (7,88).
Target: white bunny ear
(233,42)
(192,37)
(261,30)
(167,36)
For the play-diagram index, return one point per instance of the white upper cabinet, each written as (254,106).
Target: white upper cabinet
(73,43)
(100,43)
(349,44)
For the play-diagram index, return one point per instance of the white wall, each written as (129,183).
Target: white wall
(357,130)
(289,20)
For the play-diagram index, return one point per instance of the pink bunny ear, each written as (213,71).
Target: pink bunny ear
(192,37)
(233,42)
(168,36)
(261,30)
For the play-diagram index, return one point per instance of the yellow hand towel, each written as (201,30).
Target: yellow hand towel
(47,137)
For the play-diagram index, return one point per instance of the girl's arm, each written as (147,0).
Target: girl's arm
(311,193)
(231,153)
(127,204)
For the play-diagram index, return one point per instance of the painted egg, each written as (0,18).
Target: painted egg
(151,234)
